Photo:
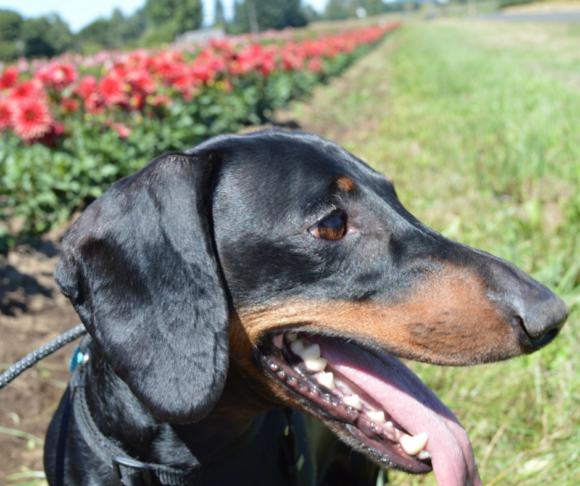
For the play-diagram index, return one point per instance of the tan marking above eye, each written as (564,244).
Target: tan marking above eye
(331,228)
(345,183)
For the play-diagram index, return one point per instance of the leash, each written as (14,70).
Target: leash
(30,360)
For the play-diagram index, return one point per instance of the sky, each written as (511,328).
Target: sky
(80,13)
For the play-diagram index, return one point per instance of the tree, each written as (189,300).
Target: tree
(173,17)
(10,30)
(135,26)
(46,36)
(270,14)
(219,17)
(311,14)
(294,15)
(115,32)
(345,9)
(97,32)
(338,10)
(373,7)
(241,21)
(10,25)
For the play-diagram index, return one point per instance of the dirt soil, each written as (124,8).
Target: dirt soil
(32,312)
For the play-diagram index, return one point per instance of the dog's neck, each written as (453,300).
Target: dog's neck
(122,417)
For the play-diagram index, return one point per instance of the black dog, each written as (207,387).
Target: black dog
(256,274)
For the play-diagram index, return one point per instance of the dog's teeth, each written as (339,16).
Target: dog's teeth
(423,455)
(310,351)
(326,380)
(297,347)
(414,445)
(377,416)
(292,336)
(353,401)
(278,341)
(315,364)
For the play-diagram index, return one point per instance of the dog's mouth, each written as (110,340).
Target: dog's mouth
(376,400)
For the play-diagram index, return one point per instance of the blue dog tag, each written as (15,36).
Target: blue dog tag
(76,358)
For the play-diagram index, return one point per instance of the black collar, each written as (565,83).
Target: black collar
(129,471)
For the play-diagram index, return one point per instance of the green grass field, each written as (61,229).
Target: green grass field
(479,126)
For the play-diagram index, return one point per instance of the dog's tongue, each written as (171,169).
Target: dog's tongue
(412,405)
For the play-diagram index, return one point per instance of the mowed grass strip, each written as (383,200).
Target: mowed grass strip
(479,126)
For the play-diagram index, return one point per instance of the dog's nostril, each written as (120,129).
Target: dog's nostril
(543,320)
(536,340)
(546,338)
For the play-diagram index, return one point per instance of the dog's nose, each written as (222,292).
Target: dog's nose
(542,314)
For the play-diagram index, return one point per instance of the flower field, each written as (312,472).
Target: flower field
(71,126)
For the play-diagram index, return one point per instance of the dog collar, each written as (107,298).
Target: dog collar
(129,471)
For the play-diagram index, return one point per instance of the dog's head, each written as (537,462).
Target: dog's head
(284,259)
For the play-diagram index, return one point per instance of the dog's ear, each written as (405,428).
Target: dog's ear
(140,269)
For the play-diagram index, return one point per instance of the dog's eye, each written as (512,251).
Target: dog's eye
(331,228)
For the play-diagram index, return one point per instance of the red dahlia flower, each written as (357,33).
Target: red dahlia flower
(49,138)
(27,89)
(112,89)
(57,74)
(137,101)
(141,81)
(9,78)
(86,87)
(94,104)
(5,114)
(122,130)
(31,119)
(69,104)
(63,74)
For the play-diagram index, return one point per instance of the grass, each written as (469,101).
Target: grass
(479,126)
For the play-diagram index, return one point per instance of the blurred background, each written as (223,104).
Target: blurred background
(472,108)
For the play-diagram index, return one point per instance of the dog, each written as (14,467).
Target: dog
(235,290)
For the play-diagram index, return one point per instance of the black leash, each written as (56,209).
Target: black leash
(21,366)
